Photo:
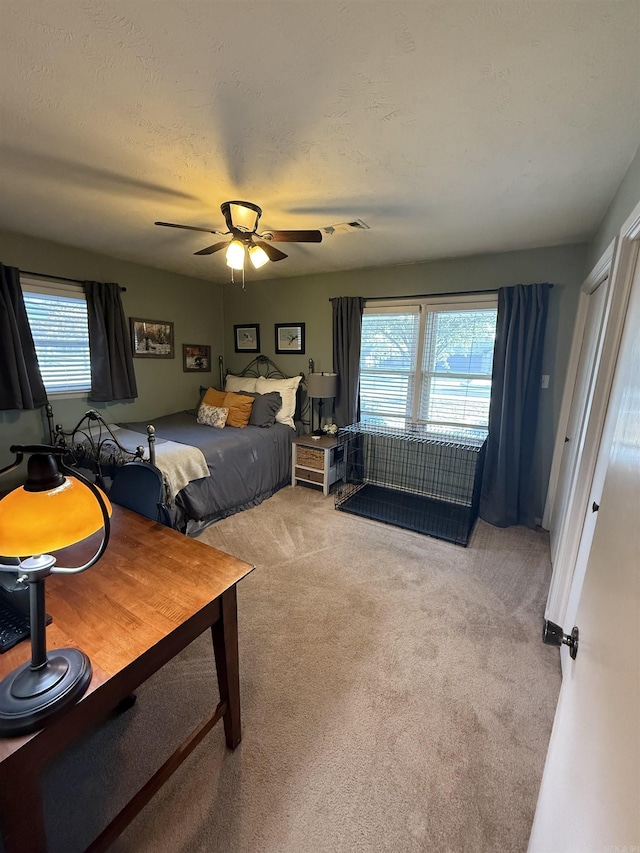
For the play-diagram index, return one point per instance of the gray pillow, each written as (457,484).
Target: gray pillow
(265,407)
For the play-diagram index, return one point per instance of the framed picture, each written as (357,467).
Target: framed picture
(247,337)
(290,338)
(196,358)
(151,338)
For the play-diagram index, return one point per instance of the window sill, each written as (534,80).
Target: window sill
(68,395)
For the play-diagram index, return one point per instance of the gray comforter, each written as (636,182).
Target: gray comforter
(247,465)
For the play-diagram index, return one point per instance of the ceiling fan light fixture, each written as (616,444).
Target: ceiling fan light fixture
(235,255)
(241,215)
(258,256)
(242,218)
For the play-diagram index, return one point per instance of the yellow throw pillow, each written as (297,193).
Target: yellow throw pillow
(214,398)
(239,409)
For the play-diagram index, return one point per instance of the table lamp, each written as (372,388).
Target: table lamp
(51,511)
(321,386)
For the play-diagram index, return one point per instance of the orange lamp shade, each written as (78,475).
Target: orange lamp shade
(39,522)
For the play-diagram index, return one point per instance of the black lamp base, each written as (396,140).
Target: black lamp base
(29,697)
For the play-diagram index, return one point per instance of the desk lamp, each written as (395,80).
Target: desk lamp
(51,511)
(321,386)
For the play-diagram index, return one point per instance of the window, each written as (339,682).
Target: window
(57,315)
(428,361)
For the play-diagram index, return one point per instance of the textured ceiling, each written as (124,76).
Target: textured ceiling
(450,128)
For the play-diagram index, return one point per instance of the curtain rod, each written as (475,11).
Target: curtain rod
(58,277)
(427,295)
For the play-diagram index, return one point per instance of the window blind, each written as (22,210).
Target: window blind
(457,363)
(451,341)
(58,319)
(388,362)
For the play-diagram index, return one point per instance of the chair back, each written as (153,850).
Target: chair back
(139,486)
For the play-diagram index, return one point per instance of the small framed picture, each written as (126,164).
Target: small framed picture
(151,338)
(290,338)
(196,358)
(247,337)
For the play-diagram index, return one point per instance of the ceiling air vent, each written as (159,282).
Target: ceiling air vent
(345,227)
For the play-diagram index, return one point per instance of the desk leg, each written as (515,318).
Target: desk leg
(225,647)
(21,816)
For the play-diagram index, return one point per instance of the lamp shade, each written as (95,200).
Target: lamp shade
(37,522)
(235,255)
(324,385)
(241,215)
(258,256)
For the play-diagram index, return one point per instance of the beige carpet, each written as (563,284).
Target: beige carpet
(396,697)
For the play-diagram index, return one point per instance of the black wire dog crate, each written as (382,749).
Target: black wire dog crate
(412,477)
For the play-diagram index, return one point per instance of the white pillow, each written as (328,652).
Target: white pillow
(240,383)
(215,416)
(287,389)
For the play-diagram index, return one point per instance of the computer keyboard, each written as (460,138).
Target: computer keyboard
(14,626)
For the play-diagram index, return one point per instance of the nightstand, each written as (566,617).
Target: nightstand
(314,460)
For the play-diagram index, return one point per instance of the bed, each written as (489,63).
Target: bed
(209,473)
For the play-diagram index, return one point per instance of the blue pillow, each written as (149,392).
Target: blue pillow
(265,407)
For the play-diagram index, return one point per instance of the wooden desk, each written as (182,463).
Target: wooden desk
(152,593)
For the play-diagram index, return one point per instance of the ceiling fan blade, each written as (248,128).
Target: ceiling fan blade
(211,249)
(313,236)
(272,253)
(188,227)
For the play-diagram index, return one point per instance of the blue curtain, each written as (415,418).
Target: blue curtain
(112,374)
(347,335)
(21,385)
(507,495)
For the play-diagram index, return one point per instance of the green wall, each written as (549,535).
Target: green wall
(193,305)
(305,299)
(196,308)
(624,201)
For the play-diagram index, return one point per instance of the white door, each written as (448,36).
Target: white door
(590,794)
(564,510)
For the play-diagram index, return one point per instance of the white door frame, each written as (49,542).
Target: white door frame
(628,258)
(565,535)
(598,274)
(619,258)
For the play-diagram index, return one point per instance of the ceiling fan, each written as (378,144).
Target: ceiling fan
(242,219)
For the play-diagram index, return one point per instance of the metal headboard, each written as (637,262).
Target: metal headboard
(263,366)
(87,442)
